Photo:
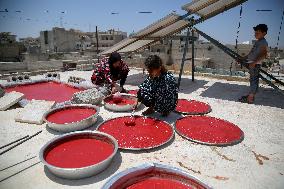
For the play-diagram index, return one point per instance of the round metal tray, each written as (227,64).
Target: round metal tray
(73,126)
(193,113)
(132,175)
(146,148)
(25,101)
(77,173)
(208,143)
(121,108)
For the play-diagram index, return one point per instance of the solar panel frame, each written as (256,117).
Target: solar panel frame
(197,5)
(119,46)
(215,7)
(172,24)
(156,26)
(135,46)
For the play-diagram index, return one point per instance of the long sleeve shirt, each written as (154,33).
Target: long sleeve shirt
(160,92)
(102,73)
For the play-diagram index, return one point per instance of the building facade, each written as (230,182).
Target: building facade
(10,49)
(61,40)
(107,39)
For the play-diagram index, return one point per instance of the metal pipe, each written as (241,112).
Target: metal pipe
(192,59)
(97,40)
(13,142)
(21,142)
(183,57)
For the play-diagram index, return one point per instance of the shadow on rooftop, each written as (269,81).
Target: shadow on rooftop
(186,85)
(135,79)
(232,92)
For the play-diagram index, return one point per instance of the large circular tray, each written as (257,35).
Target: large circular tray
(45,89)
(147,133)
(127,104)
(209,130)
(156,176)
(79,154)
(192,107)
(69,118)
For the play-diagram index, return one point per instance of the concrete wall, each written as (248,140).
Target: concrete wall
(35,57)
(59,40)
(11,52)
(44,65)
(7,67)
(12,67)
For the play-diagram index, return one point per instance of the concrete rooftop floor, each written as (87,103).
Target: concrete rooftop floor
(256,162)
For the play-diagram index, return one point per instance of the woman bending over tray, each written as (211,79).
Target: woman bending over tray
(110,70)
(159,91)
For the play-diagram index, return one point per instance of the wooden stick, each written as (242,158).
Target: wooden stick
(21,142)
(13,142)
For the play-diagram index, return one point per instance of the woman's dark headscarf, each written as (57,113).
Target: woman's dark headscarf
(114,57)
(155,62)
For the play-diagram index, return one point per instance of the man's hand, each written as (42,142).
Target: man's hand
(241,59)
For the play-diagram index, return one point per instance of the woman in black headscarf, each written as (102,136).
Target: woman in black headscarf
(110,70)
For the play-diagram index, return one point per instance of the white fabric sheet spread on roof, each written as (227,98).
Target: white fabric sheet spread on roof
(204,8)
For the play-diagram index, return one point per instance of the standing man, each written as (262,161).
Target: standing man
(254,61)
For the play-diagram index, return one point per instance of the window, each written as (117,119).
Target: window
(45,34)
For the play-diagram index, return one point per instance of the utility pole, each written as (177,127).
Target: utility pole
(97,39)
(192,55)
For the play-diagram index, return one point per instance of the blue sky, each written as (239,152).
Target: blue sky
(86,14)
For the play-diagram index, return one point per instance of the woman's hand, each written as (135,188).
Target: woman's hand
(113,90)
